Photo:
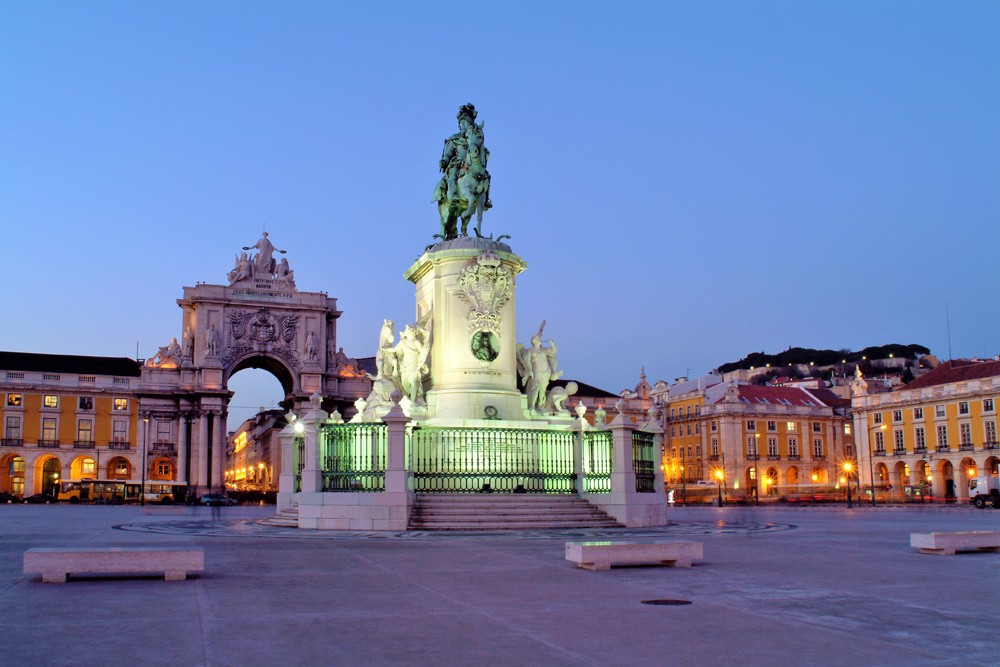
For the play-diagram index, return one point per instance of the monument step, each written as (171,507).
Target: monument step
(505,512)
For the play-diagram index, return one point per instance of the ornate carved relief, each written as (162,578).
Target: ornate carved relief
(486,288)
(262,331)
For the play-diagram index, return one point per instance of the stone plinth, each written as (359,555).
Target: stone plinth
(465,291)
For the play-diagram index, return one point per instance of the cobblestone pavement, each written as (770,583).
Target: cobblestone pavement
(777,585)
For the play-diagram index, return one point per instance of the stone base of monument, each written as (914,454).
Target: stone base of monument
(354,511)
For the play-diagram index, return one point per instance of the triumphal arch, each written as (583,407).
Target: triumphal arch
(258,320)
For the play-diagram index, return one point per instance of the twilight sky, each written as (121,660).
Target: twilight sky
(688,181)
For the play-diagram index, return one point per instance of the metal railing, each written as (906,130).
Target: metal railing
(353,457)
(118,445)
(49,444)
(83,444)
(12,442)
(642,461)
(472,460)
(598,461)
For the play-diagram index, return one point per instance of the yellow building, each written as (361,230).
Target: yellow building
(69,418)
(755,441)
(253,453)
(929,437)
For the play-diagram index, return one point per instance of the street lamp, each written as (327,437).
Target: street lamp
(142,487)
(718,481)
(847,474)
(871,462)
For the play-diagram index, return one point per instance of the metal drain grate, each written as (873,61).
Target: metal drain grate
(669,603)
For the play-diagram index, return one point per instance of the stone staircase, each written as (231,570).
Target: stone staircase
(508,511)
(286,518)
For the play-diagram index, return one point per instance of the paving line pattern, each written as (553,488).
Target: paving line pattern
(251,528)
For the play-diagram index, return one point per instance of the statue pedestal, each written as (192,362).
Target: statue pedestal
(465,293)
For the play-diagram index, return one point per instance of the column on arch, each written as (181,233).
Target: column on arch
(218,450)
(202,449)
(183,442)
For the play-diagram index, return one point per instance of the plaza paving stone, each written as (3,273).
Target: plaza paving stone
(778,585)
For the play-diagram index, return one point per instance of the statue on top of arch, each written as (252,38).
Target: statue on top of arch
(262,265)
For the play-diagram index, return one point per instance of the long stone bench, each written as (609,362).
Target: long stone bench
(602,555)
(946,544)
(54,564)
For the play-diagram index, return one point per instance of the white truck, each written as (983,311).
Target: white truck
(984,490)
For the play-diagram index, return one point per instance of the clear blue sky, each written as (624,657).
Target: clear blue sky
(688,181)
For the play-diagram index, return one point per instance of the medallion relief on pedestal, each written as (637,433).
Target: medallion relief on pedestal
(485,287)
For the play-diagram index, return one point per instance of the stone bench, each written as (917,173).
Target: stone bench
(602,555)
(949,543)
(54,564)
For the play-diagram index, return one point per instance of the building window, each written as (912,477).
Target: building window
(715,426)
(50,401)
(963,408)
(119,430)
(673,412)
(697,429)
(13,429)
(120,404)
(918,413)
(751,446)
(897,415)
(772,426)
(772,446)
(879,441)
(689,429)
(987,405)
(897,436)
(715,447)
(689,452)
(121,467)
(14,400)
(878,418)
(919,439)
(790,427)
(163,468)
(847,429)
(965,433)
(991,431)
(49,429)
(672,431)
(86,403)
(793,447)
(942,436)
(751,425)
(696,411)
(817,448)
(85,430)
(817,427)
(939,411)
(697,451)
(88,467)
(689,411)
(163,432)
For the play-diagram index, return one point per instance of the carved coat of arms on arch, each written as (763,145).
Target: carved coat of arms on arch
(485,287)
(262,330)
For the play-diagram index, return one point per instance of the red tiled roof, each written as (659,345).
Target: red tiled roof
(959,370)
(779,395)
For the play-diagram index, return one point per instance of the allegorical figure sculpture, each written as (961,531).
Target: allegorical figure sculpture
(464,188)
(168,356)
(212,341)
(537,366)
(264,261)
(401,367)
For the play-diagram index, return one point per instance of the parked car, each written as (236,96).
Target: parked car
(8,497)
(216,499)
(40,498)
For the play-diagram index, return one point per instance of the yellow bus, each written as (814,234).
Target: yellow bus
(118,492)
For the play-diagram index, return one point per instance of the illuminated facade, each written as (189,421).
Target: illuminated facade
(932,435)
(69,418)
(754,440)
(253,454)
